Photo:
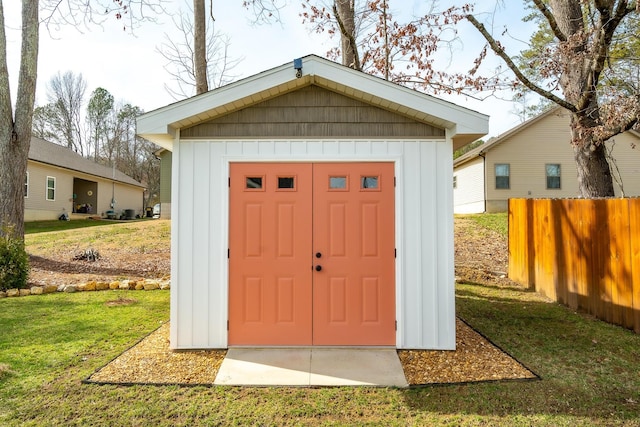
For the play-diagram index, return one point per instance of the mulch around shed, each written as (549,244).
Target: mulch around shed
(152,362)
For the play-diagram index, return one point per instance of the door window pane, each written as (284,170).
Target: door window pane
(286,182)
(337,182)
(502,175)
(553,176)
(369,182)
(254,182)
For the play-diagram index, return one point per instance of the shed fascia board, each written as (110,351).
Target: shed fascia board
(160,126)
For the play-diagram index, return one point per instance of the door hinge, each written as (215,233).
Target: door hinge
(228,325)
(395,252)
(396,325)
(228,253)
(394,181)
(229,180)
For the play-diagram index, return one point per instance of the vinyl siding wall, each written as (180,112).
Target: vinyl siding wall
(165,184)
(37,207)
(548,141)
(468,196)
(425,301)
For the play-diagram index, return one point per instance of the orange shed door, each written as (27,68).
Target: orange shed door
(269,254)
(311,254)
(353,235)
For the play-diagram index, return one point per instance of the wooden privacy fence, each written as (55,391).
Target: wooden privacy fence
(583,253)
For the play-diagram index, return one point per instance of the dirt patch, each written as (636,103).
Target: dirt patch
(142,250)
(120,301)
(481,255)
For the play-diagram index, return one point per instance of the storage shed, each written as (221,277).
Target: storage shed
(312,206)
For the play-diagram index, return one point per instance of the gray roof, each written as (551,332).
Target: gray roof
(56,155)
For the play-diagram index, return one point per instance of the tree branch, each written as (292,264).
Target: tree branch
(498,50)
(610,133)
(607,24)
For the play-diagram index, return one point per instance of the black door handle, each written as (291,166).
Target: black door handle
(318,268)
(318,255)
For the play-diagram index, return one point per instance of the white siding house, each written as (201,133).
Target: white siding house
(535,160)
(311,112)
(59,180)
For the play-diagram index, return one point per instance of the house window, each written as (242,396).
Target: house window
(26,185)
(455,181)
(502,176)
(553,176)
(51,188)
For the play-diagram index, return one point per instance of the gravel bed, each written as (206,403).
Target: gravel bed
(475,359)
(152,362)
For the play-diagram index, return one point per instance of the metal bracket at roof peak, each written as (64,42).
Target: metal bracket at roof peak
(297,65)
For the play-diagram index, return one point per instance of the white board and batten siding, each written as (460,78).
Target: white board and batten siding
(425,301)
(468,196)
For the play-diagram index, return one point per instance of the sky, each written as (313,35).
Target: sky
(130,68)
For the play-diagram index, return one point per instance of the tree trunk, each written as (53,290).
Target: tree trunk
(594,173)
(15,136)
(200,46)
(346,17)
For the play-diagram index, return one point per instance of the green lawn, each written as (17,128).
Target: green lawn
(494,221)
(590,371)
(55,225)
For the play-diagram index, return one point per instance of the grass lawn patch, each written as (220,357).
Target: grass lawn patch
(56,225)
(590,371)
(493,221)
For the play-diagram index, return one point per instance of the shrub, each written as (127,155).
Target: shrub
(14,261)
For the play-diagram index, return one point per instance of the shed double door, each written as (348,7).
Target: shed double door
(311,254)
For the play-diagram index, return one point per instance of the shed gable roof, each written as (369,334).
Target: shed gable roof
(56,155)
(463,125)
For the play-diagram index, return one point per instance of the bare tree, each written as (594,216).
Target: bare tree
(181,58)
(574,64)
(344,12)
(99,110)
(200,46)
(65,93)
(15,123)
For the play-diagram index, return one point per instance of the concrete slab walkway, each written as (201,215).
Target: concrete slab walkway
(311,367)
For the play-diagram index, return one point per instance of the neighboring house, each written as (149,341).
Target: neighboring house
(534,160)
(312,205)
(165,182)
(61,181)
